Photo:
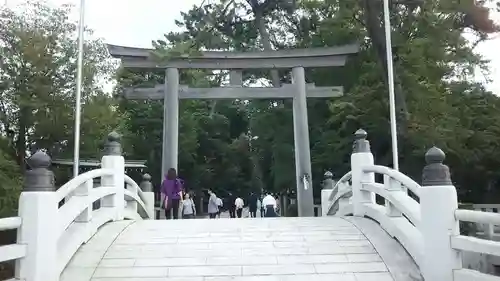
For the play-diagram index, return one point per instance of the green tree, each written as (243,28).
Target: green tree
(38,53)
(10,184)
(430,51)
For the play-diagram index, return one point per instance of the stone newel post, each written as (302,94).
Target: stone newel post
(328,184)
(38,209)
(114,160)
(149,196)
(361,157)
(438,203)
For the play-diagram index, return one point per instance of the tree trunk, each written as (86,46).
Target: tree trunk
(260,22)
(21,140)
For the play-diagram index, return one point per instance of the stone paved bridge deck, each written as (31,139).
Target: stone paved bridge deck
(309,249)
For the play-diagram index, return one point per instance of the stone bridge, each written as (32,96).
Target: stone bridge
(410,232)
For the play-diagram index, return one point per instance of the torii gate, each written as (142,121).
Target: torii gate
(299,91)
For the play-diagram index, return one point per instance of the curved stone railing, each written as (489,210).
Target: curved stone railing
(427,227)
(50,233)
(460,243)
(12,251)
(399,214)
(338,197)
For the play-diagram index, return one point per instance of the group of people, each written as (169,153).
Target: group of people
(176,202)
(268,205)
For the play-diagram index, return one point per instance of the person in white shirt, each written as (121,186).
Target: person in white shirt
(270,205)
(260,208)
(188,209)
(239,206)
(219,206)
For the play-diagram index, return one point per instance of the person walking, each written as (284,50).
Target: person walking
(219,207)
(231,206)
(213,209)
(270,204)
(188,209)
(239,206)
(171,190)
(252,205)
(262,207)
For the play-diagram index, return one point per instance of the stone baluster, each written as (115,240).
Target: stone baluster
(85,216)
(361,157)
(114,160)
(489,229)
(149,195)
(38,209)
(392,185)
(438,203)
(96,182)
(131,203)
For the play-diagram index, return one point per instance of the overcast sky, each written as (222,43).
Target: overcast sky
(137,22)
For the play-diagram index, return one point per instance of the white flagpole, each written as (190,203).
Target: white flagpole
(78,95)
(390,80)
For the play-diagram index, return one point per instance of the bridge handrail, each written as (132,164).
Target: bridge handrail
(346,177)
(397,175)
(477,216)
(67,188)
(137,195)
(477,245)
(12,251)
(49,234)
(10,223)
(74,207)
(400,216)
(132,183)
(342,194)
(335,194)
(398,199)
(78,209)
(427,227)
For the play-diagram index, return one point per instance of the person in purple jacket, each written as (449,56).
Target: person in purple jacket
(171,190)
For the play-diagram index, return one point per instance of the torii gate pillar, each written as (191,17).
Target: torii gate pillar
(305,198)
(170,120)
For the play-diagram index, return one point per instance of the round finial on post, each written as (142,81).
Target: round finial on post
(361,145)
(146,185)
(39,178)
(328,182)
(435,172)
(114,136)
(434,155)
(113,145)
(39,160)
(360,134)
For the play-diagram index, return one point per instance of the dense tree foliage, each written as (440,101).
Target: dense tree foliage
(434,69)
(242,146)
(38,53)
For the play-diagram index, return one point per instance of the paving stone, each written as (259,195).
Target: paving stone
(278,269)
(170,262)
(125,272)
(351,267)
(270,249)
(370,276)
(189,271)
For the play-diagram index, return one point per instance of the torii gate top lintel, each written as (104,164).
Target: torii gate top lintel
(311,57)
